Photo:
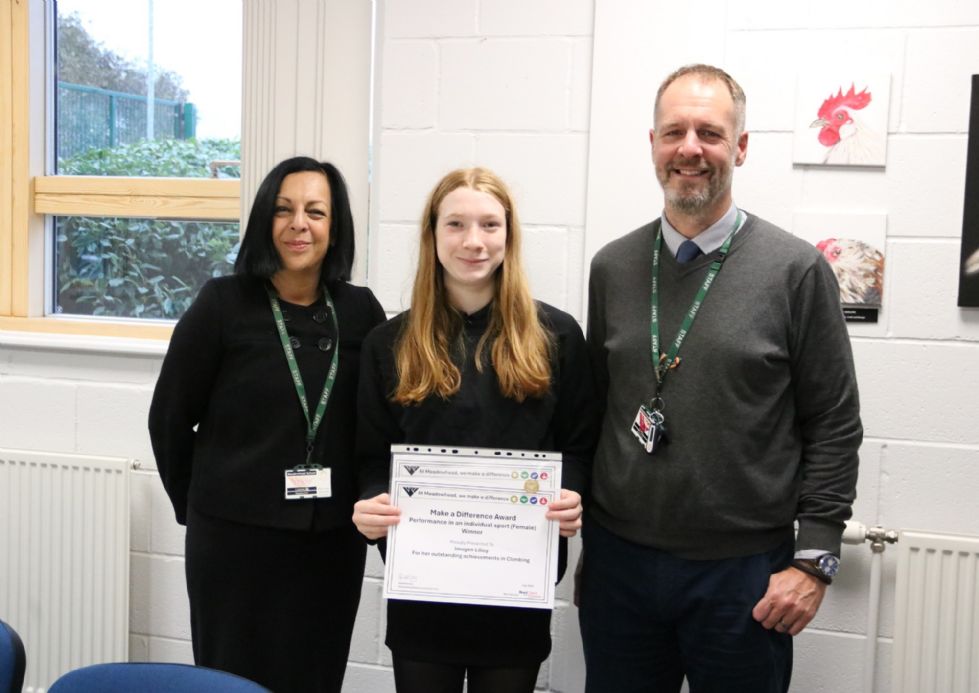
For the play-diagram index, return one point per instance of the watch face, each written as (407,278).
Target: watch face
(829,564)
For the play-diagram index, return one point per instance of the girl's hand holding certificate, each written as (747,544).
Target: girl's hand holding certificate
(567,510)
(373,516)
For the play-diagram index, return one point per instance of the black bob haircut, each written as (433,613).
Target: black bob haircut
(258,257)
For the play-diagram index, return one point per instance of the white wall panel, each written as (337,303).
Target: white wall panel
(112,420)
(504,84)
(930,487)
(925,185)
(413,164)
(37,414)
(919,391)
(545,171)
(538,18)
(410,84)
(430,18)
(921,274)
(760,15)
(938,65)
(158,597)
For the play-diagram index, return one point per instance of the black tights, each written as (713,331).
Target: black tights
(411,676)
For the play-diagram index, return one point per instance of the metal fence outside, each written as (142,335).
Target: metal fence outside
(94,118)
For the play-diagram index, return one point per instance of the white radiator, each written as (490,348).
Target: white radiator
(936,631)
(64,559)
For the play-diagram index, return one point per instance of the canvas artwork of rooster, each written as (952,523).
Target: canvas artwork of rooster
(845,134)
(859,268)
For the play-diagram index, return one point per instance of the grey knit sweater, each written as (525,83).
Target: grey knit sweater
(763,412)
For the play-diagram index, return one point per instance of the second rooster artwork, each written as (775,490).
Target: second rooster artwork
(853,245)
(841,120)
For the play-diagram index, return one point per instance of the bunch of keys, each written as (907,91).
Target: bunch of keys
(649,426)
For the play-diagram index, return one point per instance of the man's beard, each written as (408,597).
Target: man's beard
(692,197)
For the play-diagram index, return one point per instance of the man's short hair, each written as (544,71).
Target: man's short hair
(707,73)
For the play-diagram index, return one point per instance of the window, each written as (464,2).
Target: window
(146,90)
(45,192)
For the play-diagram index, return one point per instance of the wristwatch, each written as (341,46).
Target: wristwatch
(824,567)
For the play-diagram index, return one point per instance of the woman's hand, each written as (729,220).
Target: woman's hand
(567,510)
(374,515)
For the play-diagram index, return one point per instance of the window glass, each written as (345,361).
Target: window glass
(134,76)
(143,88)
(137,268)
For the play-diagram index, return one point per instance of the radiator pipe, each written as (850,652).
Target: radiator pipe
(857,533)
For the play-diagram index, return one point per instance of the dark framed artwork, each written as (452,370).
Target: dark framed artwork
(969,261)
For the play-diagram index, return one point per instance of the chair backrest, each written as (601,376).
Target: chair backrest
(13,660)
(152,677)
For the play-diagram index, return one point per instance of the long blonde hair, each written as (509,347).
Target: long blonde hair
(521,346)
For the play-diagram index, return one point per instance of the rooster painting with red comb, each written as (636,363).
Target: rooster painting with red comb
(850,127)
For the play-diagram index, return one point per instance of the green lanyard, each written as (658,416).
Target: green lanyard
(280,324)
(662,363)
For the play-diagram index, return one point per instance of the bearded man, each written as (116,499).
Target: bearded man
(727,463)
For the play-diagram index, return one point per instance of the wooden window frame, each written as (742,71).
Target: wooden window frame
(30,198)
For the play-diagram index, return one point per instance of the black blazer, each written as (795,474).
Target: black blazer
(225,421)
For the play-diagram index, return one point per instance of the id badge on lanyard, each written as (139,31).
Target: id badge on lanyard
(311,482)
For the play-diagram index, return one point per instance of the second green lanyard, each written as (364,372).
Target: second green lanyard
(662,363)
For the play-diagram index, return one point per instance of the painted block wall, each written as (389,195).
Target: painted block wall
(498,84)
(508,84)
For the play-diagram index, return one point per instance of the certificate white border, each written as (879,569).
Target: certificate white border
(438,455)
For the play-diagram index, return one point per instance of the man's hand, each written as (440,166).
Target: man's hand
(373,516)
(792,599)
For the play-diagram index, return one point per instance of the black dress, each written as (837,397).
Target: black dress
(477,416)
(274,585)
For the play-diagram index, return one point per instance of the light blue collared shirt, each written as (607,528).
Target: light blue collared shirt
(708,240)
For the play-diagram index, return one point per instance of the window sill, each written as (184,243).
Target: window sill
(101,336)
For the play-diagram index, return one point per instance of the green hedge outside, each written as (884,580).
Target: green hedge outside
(142,268)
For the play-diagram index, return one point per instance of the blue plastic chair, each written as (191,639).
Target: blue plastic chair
(152,677)
(13,660)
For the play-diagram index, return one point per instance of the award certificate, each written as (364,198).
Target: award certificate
(472,527)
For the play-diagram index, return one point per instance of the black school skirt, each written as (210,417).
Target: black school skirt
(275,606)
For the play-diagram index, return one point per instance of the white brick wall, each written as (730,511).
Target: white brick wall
(500,84)
(410,84)
(508,84)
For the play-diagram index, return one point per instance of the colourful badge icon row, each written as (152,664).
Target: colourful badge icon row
(529,475)
(533,500)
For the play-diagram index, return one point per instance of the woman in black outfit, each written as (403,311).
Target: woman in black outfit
(274,583)
(476,362)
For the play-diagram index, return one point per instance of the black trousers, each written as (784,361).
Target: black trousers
(275,606)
